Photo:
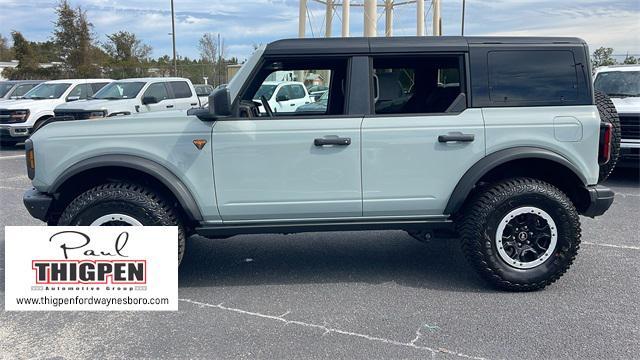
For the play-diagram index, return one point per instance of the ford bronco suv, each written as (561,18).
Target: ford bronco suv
(496,140)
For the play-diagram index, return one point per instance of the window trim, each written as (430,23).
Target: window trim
(463,68)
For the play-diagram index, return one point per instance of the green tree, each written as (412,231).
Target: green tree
(74,40)
(6,54)
(129,56)
(28,61)
(630,60)
(602,57)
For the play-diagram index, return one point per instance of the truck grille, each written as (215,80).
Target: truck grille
(74,114)
(630,126)
(5,117)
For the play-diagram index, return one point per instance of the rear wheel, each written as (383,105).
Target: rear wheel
(123,204)
(608,114)
(520,234)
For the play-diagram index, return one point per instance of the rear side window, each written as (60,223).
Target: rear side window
(22,89)
(296,91)
(180,89)
(532,75)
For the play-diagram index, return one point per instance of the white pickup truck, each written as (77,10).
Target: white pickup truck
(19,118)
(130,96)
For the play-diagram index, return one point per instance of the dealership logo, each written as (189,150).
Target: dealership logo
(118,269)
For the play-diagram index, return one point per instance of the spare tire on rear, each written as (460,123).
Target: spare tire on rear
(608,114)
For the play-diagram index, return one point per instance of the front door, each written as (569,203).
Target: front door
(302,165)
(421,139)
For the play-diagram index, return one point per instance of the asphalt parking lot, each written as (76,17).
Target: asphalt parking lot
(353,295)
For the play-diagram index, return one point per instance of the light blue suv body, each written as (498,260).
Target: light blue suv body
(230,170)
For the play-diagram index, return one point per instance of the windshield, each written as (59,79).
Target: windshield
(266,90)
(47,91)
(4,88)
(618,83)
(119,90)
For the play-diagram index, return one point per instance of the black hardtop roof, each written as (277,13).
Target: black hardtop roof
(363,45)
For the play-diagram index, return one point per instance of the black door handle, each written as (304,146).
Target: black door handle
(332,141)
(456,136)
(169,106)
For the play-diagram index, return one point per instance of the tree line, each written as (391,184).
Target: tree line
(73,51)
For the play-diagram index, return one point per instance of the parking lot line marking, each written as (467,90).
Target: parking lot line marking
(11,157)
(629,247)
(328,330)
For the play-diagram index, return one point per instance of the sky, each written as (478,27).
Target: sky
(242,23)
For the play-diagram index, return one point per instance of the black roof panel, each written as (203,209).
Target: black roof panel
(362,45)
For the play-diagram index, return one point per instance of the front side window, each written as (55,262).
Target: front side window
(20,90)
(4,88)
(618,83)
(157,90)
(47,91)
(180,89)
(532,75)
(284,83)
(416,85)
(120,90)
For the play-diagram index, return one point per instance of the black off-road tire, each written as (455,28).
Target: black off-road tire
(480,220)
(139,202)
(40,123)
(608,114)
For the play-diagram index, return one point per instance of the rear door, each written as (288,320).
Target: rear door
(421,137)
(183,97)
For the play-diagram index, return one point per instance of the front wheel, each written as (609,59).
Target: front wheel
(123,204)
(520,234)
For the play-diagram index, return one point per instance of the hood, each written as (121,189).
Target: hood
(28,104)
(175,121)
(627,104)
(99,104)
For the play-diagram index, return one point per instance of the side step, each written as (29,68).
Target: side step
(216,230)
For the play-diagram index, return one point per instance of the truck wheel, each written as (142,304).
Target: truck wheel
(608,114)
(122,204)
(520,234)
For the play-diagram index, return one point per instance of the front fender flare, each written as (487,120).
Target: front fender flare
(491,161)
(150,167)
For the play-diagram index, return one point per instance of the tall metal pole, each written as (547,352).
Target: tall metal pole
(346,12)
(463,8)
(173,36)
(420,18)
(388,11)
(436,18)
(302,18)
(370,18)
(328,19)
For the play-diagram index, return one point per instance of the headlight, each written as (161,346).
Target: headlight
(16,116)
(97,114)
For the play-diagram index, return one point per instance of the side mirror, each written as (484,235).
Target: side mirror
(220,103)
(282,97)
(149,100)
(73,98)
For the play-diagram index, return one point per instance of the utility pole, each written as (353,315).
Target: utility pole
(420,17)
(437,26)
(302,18)
(388,11)
(328,19)
(370,18)
(463,8)
(173,36)
(345,17)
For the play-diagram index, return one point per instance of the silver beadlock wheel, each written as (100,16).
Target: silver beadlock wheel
(116,220)
(526,237)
